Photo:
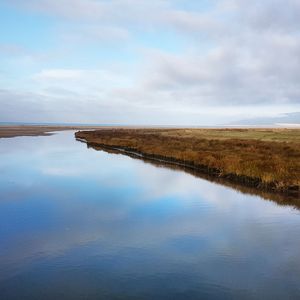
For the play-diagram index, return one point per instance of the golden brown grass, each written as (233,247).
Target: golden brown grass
(268,158)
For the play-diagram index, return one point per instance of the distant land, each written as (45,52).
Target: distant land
(285,120)
(54,124)
(10,131)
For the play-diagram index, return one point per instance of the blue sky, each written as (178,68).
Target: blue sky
(148,62)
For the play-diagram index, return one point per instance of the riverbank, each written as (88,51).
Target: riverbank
(267,159)
(8,131)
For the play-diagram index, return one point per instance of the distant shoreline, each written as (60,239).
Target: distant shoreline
(8,131)
(107,125)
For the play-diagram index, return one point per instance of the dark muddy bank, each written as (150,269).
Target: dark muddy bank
(253,186)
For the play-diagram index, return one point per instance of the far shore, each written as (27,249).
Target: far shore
(9,131)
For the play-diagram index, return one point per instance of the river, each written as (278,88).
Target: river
(76,223)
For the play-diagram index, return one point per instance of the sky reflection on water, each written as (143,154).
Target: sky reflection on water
(77,223)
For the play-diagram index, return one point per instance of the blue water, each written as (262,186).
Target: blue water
(76,223)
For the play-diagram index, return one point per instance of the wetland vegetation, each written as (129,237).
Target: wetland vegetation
(267,159)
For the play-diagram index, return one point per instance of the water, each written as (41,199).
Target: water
(76,223)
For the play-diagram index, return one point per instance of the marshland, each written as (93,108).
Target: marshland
(266,159)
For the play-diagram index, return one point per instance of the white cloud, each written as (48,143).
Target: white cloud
(231,54)
(95,34)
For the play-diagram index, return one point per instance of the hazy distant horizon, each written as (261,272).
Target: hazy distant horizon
(284,120)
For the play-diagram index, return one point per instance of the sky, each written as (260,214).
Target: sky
(142,62)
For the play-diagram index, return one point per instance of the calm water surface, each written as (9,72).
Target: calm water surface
(76,223)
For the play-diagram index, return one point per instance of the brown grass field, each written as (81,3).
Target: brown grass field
(267,159)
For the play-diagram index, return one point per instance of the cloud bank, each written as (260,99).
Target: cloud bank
(158,62)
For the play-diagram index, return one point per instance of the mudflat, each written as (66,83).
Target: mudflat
(36,130)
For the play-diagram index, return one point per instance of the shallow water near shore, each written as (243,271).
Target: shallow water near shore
(76,223)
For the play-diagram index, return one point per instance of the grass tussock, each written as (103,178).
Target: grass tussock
(268,158)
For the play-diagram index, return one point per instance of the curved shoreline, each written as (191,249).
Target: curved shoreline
(201,169)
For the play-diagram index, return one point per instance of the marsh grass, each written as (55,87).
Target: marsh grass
(268,157)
